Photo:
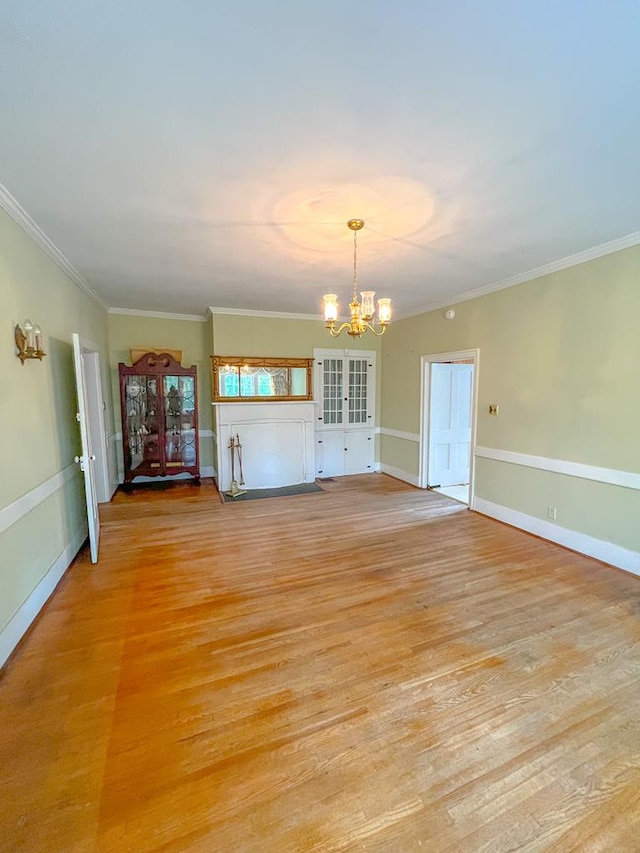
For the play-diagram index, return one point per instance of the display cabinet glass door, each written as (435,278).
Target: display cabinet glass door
(142,420)
(180,434)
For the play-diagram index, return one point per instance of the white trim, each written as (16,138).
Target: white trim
(399,474)
(607,552)
(612,476)
(29,226)
(335,352)
(281,315)
(398,433)
(114,488)
(158,315)
(521,278)
(19,623)
(17,509)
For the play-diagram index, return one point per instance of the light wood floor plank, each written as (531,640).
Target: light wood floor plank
(371,668)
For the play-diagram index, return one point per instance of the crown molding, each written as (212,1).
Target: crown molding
(555,266)
(29,226)
(249,312)
(158,315)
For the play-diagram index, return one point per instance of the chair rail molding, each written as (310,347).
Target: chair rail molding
(399,433)
(21,506)
(612,476)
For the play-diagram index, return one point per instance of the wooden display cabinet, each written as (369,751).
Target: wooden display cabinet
(159,404)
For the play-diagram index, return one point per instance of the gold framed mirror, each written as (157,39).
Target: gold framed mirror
(240,379)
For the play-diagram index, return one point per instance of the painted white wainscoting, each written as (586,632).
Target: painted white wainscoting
(277,443)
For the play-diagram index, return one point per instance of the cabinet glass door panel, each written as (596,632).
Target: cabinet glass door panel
(332,391)
(179,421)
(150,439)
(141,404)
(357,391)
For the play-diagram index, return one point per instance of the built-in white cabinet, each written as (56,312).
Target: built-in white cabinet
(344,390)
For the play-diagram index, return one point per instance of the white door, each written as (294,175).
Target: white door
(87,460)
(450,424)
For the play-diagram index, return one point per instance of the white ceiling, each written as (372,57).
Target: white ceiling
(184,155)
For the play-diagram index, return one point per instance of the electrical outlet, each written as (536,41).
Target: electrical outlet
(552,512)
(494,408)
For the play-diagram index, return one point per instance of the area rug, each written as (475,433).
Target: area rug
(283,492)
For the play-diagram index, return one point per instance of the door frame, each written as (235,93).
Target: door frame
(425,409)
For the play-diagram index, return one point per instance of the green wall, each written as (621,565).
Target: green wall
(37,407)
(235,334)
(193,337)
(561,357)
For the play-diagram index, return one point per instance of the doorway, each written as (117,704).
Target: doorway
(448,423)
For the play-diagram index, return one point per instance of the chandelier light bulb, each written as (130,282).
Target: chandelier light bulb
(384,310)
(330,307)
(368,308)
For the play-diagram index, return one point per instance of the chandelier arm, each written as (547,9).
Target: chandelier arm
(334,333)
(376,333)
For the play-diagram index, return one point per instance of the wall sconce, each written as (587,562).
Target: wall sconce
(29,341)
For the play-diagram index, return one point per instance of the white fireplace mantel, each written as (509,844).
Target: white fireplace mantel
(277,443)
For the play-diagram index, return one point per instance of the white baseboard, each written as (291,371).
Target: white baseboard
(19,623)
(607,552)
(399,474)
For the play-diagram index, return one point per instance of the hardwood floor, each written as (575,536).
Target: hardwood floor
(373,668)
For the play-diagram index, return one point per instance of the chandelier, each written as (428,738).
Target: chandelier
(362,313)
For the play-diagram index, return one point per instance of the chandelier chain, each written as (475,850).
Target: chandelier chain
(355,265)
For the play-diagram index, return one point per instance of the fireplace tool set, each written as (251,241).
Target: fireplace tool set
(236,453)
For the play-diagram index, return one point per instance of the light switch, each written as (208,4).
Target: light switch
(494,408)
